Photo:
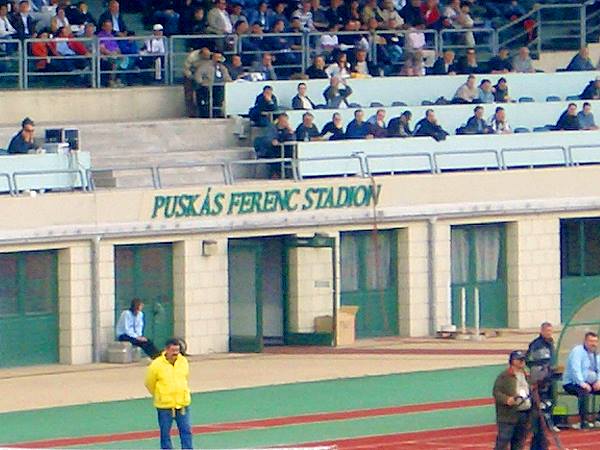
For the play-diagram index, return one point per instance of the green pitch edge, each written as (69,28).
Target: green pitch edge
(298,434)
(253,403)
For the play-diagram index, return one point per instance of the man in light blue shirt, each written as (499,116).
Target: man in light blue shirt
(586,117)
(582,375)
(130,328)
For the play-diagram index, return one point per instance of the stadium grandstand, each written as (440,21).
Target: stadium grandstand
(342,185)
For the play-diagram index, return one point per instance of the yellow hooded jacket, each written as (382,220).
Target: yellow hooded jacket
(168,383)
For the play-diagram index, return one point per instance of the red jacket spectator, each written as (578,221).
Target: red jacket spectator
(431,13)
(43,51)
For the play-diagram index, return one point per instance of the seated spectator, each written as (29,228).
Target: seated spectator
(110,51)
(400,126)
(411,13)
(335,15)
(80,15)
(300,100)
(7,31)
(501,91)
(370,10)
(468,92)
(361,67)
(295,26)
(336,96)
(340,68)
(485,92)
(358,128)
(130,328)
(113,14)
(22,21)
(592,90)
(390,16)
(304,14)
(586,117)
(22,142)
(465,21)
(582,376)
(377,126)
(451,14)
(428,126)
(498,122)
(568,120)
(445,64)
(236,68)
(66,46)
(268,145)
(265,102)
(193,21)
(334,130)
(279,10)
(581,61)
(431,14)
(477,124)
(263,15)
(328,42)
(468,64)
(59,20)
(287,48)
(522,62)
(501,62)
(218,20)
(255,42)
(317,70)
(265,67)
(414,65)
(307,130)
(237,13)
(320,20)
(166,15)
(45,53)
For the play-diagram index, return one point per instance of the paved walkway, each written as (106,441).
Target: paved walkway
(52,386)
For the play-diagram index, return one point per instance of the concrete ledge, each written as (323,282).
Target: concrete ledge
(93,105)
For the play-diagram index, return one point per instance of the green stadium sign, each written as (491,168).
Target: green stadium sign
(211,203)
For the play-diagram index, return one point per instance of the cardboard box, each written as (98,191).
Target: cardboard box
(346,325)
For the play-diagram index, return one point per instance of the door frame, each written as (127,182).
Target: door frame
(242,344)
(316,339)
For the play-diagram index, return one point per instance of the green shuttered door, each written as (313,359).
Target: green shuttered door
(28,308)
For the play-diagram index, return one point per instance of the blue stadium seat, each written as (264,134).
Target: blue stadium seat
(570,98)
(526,100)
(553,98)
(521,130)
(321,106)
(398,103)
(354,105)
(376,105)
(426,103)
(540,129)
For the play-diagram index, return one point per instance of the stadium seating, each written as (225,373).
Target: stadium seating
(240,96)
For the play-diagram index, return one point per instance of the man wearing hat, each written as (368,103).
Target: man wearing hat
(513,404)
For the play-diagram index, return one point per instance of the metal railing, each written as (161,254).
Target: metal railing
(77,174)
(523,32)
(11,63)
(287,50)
(483,40)
(9,183)
(57,60)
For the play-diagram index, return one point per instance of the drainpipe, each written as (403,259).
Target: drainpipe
(95,294)
(431,275)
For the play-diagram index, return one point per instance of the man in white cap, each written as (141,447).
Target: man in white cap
(153,53)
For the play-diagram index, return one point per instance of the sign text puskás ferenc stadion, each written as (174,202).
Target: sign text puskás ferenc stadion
(215,203)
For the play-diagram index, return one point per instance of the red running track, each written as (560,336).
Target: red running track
(464,438)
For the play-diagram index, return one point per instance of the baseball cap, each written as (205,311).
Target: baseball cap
(517,354)
(157,27)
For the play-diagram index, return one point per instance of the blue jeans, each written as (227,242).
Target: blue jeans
(165,421)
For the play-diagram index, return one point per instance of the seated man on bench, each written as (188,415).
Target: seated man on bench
(130,328)
(581,376)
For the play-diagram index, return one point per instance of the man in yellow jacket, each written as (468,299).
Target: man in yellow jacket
(167,381)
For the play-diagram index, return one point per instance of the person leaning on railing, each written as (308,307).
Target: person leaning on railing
(210,78)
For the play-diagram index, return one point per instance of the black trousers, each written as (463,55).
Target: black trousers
(582,399)
(511,436)
(203,100)
(148,346)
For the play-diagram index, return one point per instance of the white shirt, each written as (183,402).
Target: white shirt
(305,103)
(130,324)
(329,40)
(6,29)
(335,70)
(115,21)
(24,19)
(227,21)
(155,46)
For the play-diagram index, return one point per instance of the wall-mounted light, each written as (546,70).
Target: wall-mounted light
(209,248)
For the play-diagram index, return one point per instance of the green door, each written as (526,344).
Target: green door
(478,262)
(28,308)
(146,272)
(369,280)
(245,305)
(580,263)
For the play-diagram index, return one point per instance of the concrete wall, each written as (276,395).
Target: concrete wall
(75,106)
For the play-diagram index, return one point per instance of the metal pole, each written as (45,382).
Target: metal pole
(539,31)
(463,310)
(95,294)
(477,335)
(431,275)
(24,51)
(582,26)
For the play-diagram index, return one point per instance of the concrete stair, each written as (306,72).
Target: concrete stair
(123,153)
